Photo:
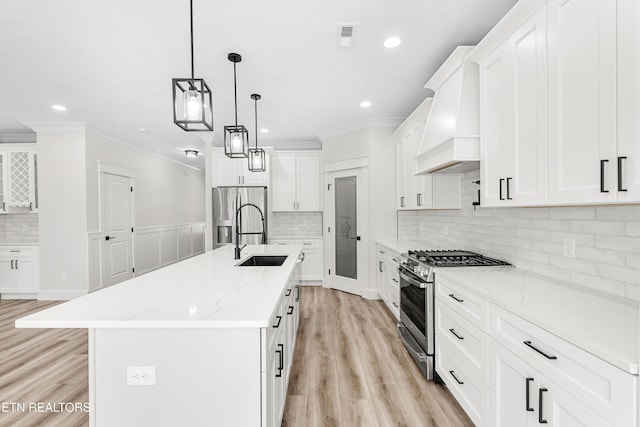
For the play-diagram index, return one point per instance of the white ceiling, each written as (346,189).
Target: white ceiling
(111,63)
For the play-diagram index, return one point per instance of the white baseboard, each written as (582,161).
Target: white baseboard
(370,294)
(18,296)
(60,295)
(310,282)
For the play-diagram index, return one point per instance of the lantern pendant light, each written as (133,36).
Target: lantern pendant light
(192,103)
(256,155)
(236,137)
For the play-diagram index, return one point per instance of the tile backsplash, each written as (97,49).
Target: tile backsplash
(19,228)
(607,238)
(296,224)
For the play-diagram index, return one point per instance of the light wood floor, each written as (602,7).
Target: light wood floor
(350,369)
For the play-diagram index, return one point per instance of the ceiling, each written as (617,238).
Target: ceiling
(110,63)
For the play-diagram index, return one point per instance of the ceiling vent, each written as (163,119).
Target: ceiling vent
(346,33)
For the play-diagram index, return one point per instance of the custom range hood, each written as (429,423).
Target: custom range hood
(451,139)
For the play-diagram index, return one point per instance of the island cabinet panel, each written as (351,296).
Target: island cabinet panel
(202,376)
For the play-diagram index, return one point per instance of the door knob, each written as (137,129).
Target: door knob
(356,238)
(109,237)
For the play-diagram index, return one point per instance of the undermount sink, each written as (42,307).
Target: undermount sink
(264,261)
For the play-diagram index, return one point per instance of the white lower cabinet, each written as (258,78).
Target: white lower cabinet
(387,278)
(508,372)
(19,270)
(311,267)
(278,349)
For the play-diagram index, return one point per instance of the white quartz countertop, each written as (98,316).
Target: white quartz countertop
(206,291)
(401,246)
(603,325)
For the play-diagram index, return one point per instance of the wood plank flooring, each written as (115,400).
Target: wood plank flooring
(350,369)
(40,365)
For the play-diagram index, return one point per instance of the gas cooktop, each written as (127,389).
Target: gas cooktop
(454,258)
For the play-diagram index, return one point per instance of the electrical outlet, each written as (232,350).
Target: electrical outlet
(63,275)
(25,228)
(141,375)
(569,247)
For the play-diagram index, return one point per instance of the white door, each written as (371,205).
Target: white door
(3,182)
(257,179)
(7,275)
(582,101)
(117,217)
(346,213)
(226,171)
(401,175)
(559,409)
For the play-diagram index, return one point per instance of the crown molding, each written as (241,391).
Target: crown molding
(378,122)
(57,126)
(18,138)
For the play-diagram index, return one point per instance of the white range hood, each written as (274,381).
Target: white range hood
(451,139)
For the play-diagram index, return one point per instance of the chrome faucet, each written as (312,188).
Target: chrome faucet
(238,233)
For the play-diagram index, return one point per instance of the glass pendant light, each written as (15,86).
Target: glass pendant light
(192,103)
(256,155)
(236,137)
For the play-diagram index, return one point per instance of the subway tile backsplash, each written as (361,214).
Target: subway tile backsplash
(302,224)
(19,228)
(607,238)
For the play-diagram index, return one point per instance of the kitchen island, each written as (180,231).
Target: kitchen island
(201,342)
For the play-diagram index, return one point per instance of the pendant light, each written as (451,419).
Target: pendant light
(236,137)
(192,103)
(256,155)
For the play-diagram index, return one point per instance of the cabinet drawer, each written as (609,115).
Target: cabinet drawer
(281,241)
(468,390)
(606,389)
(277,321)
(16,252)
(470,343)
(309,244)
(464,302)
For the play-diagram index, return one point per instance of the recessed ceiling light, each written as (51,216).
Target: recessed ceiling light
(264,130)
(365,104)
(191,153)
(143,130)
(392,42)
(59,107)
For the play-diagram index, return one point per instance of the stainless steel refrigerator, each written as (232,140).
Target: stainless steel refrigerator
(226,201)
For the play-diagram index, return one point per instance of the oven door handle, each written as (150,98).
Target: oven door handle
(411,281)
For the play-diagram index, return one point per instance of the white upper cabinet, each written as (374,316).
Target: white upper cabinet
(295,181)
(19,180)
(228,172)
(513,94)
(582,101)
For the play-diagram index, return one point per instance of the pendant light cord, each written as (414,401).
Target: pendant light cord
(191,20)
(235,94)
(256,123)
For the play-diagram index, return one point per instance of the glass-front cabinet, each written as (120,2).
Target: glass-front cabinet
(18,180)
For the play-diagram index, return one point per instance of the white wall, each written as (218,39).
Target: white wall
(166,193)
(377,145)
(63,213)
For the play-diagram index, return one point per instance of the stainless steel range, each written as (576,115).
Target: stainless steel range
(417,279)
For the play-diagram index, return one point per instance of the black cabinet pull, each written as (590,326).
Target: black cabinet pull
(508,191)
(456,378)
(456,298)
(290,311)
(277,325)
(526,385)
(501,181)
(602,162)
(620,159)
(297,293)
(453,331)
(540,419)
(280,360)
(288,293)
(528,344)
(380,266)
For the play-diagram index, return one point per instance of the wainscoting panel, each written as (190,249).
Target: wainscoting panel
(184,243)
(198,239)
(147,250)
(169,246)
(95,261)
